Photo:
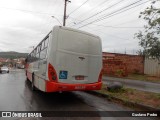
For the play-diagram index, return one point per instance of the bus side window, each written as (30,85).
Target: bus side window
(37,56)
(32,57)
(43,54)
(37,51)
(46,42)
(40,47)
(43,45)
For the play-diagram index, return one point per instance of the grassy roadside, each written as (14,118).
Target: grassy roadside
(141,77)
(136,96)
(144,78)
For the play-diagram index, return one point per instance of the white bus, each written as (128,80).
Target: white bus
(66,60)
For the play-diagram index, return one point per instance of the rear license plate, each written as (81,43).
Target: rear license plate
(79,77)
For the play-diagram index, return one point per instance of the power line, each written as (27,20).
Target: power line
(131,12)
(91,9)
(111,35)
(95,7)
(78,7)
(101,11)
(27,11)
(112,14)
(116,26)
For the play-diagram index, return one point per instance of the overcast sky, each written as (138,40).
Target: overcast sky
(24,23)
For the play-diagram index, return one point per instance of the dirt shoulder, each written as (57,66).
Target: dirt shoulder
(140,77)
(135,96)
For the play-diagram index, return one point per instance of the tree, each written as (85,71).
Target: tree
(150,37)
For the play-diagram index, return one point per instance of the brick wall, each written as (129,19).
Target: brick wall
(114,63)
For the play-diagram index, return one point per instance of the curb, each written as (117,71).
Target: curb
(128,103)
(15,70)
(126,79)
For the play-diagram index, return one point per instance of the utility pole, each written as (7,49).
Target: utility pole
(125,51)
(64,17)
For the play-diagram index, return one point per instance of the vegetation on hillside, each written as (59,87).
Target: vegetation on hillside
(12,55)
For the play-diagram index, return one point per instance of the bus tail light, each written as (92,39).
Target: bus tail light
(52,75)
(100,76)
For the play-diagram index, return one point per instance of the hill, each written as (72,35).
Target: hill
(12,55)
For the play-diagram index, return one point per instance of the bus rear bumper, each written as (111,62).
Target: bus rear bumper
(54,87)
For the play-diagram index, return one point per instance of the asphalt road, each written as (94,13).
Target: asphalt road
(135,84)
(16,95)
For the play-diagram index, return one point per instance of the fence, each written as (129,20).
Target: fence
(152,67)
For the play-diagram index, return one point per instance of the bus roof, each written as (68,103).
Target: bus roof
(76,30)
(65,28)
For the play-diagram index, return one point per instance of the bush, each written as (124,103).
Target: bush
(120,72)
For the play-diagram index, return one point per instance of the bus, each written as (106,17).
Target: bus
(66,60)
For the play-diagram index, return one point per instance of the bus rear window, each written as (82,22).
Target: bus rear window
(79,42)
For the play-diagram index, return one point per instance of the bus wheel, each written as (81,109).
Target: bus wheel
(27,76)
(33,87)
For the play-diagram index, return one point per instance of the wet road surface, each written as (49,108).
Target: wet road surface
(135,84)
(16,95)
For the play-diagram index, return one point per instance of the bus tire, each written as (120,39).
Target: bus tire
(27,76)
(33,87)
